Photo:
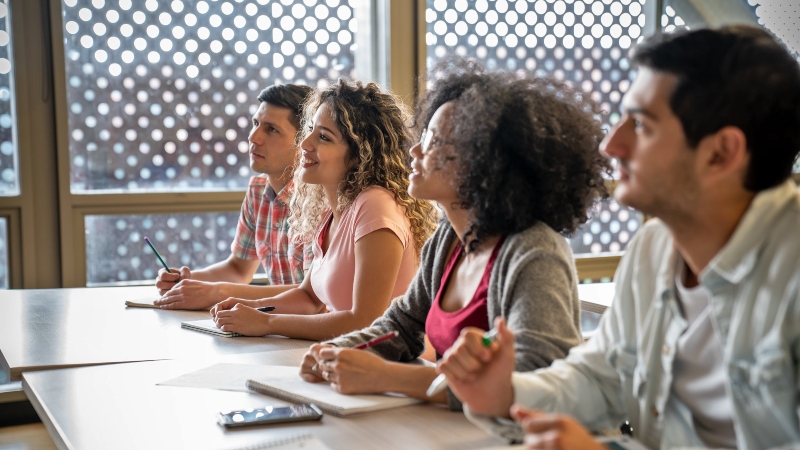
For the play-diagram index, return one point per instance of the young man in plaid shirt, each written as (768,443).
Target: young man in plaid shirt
(262,234)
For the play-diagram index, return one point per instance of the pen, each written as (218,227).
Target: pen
(440,382)
(377,340)
(266,308)
(157,255)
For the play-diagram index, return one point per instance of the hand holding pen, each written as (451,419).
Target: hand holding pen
(478,369)
(348,371)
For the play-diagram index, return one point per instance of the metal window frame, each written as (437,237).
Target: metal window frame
(73,208)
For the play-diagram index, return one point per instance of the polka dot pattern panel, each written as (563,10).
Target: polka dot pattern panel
(160,93)
(116,250)
(611,228)
(9,172)
(582,42)
(781,17)
(670,20)
(3,253)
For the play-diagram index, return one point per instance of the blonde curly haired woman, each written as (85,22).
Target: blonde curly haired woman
(352,206)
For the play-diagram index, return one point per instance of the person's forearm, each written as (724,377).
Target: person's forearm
(411,380)
(294,302)
(318,327)
(253,292)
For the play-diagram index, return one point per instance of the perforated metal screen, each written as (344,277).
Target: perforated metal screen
(582,42)
(160,93)
(160,96)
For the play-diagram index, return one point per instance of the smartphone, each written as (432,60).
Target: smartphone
(269,415)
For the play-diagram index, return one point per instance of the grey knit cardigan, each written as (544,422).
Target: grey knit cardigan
(533,285)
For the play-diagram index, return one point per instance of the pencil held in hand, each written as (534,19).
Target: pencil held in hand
(157,255)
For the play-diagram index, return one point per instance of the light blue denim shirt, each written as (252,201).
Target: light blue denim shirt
(624,372)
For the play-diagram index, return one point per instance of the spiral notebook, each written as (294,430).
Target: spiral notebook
(207,326)
(292,388)
(299,441)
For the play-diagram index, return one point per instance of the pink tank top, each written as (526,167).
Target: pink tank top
(442,327)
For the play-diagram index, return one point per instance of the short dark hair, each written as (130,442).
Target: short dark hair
(525,148)
(289,96)
(738,76)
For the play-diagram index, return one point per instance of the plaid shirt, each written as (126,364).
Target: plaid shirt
(263,233)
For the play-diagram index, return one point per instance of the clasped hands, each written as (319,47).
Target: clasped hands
(480,376)
(241,316)
(349,371)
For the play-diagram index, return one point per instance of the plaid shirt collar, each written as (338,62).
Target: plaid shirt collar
(284,196)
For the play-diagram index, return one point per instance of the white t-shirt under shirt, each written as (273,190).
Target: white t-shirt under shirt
(699,370)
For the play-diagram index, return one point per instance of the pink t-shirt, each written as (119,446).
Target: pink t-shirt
(333,274)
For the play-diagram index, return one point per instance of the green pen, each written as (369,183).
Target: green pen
(157,255)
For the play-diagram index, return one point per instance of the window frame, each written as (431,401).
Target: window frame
(41,255)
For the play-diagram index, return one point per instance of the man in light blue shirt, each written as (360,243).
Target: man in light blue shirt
(701,347)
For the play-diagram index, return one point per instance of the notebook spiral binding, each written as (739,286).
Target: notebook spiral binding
(295,439)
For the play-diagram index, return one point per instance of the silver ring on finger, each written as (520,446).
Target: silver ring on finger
(326,375)
(315,368)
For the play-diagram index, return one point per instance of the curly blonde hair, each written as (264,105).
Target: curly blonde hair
(373,124)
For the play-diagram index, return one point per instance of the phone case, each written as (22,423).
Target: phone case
(314,414)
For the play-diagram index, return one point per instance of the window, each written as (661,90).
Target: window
(583,43)
(119,252)
(160,94)
(9,167)
(159,98)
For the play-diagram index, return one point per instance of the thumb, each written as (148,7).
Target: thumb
(504,334)
(185,273)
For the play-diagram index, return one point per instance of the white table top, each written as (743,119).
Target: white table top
(119,406)
(56,328)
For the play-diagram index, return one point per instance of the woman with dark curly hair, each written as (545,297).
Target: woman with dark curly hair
(351,205)
(513,161)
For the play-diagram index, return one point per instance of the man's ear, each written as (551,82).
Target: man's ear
(726,151)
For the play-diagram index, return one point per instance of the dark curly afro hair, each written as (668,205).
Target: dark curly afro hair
(525,148)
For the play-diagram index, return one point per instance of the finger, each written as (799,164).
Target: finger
(225,313)
(329,353)
(471,357)
(225,321)
(519,412)
(311,377)
(549,440)
(540,423)
(471,342)
(178,304)
(504,334)
(326,365)
(316,348)
(167,299)
(184,273)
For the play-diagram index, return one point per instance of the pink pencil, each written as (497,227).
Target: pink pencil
(377,340)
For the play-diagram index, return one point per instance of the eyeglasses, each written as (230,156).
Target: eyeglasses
(428,140)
